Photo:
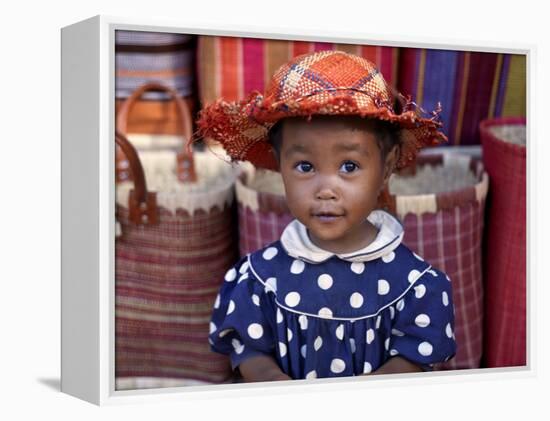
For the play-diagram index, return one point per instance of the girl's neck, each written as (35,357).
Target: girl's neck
(353,241)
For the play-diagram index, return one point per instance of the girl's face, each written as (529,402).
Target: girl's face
(333,172)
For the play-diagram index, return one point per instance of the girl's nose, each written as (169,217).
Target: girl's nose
(326,191)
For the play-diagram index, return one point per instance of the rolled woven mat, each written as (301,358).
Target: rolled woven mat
(504,155)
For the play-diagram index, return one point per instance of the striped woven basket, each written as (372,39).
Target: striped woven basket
(445,227)
(175,243)
(441,206)
(504,155)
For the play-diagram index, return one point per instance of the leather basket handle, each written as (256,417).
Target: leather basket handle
(185,165)
(142,205)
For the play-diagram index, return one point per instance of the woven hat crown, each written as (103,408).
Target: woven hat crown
(324,74)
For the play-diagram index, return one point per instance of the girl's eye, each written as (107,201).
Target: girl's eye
(348,166)
(304,166)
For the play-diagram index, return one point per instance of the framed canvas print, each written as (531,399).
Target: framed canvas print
(250,210)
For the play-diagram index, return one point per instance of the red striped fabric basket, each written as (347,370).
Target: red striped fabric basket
(231,67)
(176,242)
(445,227)
(504,155)
(471,86)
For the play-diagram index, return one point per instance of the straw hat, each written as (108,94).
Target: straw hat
(326,82)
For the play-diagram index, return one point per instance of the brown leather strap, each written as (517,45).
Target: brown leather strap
(142,205)
(185,165)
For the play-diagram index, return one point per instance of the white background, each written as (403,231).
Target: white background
(30,207)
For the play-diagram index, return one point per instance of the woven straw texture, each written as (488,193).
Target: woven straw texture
(230,67)
(327,82)
(167,275)
(505,304)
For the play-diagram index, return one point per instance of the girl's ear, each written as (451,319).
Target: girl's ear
(390,162)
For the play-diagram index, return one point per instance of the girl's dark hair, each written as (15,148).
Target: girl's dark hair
(388,135)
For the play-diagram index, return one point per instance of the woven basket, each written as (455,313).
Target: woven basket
(504,155)
(443,217)
(176,242)
(445,227)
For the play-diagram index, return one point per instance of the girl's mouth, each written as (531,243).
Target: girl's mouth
(327,216)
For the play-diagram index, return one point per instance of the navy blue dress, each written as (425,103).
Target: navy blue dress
(335,318)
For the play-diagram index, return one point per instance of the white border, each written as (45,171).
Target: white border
(105,213)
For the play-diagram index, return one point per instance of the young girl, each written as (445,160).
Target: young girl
(338,294)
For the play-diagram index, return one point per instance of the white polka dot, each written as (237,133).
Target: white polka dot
(297,267)
(292,299)
(243,277)
(271,284)
(237,346)
(279,315)
(231,275)
(255,331)
(288,334)
(325,281)
(337,365)
(325,313)
(422,320)
(357,267)
(340,332)
(445,298)
(413,275)
(212,327)
(244,267)
(392,312)
(418,257)
(370,336)
(282,349)
(224,332)
(356,300)
(378,320)
(318,343)
(397,332)
(217,303)
(393,352)
(303,322)
(448,279)
(400,305)
(367,368)
(256,299)
(231,307)
(425,349)
(210,341)
(383,287)
(311,375)
(352,345)
(269,253)
(387,343)
(433,272)
(387,258)
(303,351)
(449,331)
(419,291)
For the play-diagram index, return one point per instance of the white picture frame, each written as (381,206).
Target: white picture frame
(88,223)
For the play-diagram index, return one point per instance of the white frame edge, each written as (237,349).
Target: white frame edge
(87,214)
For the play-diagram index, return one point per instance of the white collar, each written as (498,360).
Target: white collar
(297,244)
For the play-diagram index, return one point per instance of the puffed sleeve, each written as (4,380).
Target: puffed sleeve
(241,319)
(423,329)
